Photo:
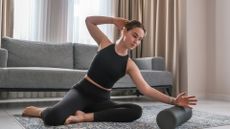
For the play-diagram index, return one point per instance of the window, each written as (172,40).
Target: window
(23,19)
(83,8)
(58,20)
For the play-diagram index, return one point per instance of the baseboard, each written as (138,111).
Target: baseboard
(216,96)
(56,99)
(29,100)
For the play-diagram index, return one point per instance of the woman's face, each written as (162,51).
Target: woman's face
(133,37)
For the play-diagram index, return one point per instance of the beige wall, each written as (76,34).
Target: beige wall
(196,40)
(211,73)
(183,46)
(208,48)
(220,84)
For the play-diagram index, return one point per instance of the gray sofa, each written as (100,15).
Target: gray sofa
(41,66)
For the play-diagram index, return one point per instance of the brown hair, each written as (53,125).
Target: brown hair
(133,24)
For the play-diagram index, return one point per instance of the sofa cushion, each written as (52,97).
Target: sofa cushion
(2,76)
(150,63)
(152,77)
(83,55)
(39,77)
(3,57)
(23,53)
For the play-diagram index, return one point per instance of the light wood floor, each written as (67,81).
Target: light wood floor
(9,107)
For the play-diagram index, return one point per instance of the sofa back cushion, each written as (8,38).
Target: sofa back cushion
(23,53)
(3,57)
(83,55)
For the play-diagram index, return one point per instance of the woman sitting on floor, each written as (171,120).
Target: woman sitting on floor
(89,100)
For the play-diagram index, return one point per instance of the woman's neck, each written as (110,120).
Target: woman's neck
(121,49)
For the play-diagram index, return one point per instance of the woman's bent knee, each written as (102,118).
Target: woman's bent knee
(134,112)
(137,112)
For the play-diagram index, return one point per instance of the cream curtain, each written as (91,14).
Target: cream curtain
(51,20)
(41,20)
(130,9)
(7,17)
(160,18)
(58,20)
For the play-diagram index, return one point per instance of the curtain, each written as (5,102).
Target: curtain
(130,9)
(7,17)
(50,20)
(79,10)
(58,20)
(41,20)
(160,18)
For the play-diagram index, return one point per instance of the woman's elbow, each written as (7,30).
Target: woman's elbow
(87,19)
(143,89)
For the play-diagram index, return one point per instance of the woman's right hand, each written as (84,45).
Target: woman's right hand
(185,101)
(120,22)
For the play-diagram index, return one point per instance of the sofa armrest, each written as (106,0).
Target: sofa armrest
(153,63)
(3,57)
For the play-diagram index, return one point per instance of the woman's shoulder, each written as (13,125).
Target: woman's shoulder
(131,65)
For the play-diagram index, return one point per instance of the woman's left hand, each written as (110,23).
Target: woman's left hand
(185,101)
(120,22)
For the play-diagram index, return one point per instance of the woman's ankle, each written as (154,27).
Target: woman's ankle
(85,117)
(79,117)
(88,117)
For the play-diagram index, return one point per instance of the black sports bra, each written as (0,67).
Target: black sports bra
(107,67)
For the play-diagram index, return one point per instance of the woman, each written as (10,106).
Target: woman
(89,100)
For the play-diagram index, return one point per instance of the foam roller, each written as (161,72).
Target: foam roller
(172,117)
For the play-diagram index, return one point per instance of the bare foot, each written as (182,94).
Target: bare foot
(78,117)
(32,111)
(79,113)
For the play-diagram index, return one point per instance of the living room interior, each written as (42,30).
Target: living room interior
(188,36)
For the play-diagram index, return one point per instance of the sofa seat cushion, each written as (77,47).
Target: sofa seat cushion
(152,77)
(23,53)
(39,77)
(57,78)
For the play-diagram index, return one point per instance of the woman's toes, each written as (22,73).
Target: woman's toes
(70,120)
(31,111)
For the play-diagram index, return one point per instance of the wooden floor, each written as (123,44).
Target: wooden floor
(9,107)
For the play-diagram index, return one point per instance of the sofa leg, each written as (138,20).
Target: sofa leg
(169,91)
(138,93)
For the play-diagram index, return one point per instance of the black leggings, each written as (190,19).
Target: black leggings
(88,98)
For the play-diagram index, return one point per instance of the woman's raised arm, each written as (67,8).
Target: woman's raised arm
(101,39)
